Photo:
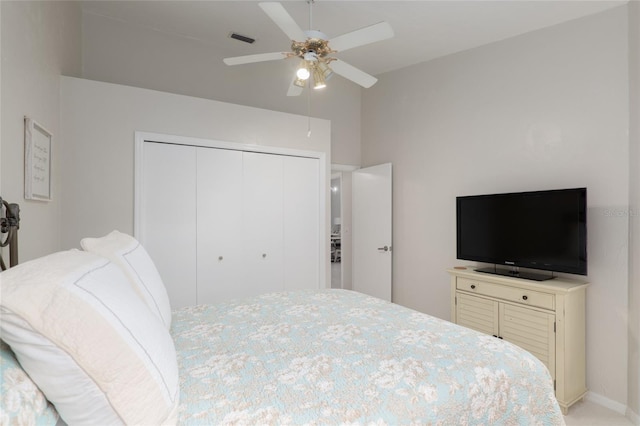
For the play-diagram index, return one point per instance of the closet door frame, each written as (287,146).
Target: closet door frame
(323,193)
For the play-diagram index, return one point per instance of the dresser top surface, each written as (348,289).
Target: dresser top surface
(557,284)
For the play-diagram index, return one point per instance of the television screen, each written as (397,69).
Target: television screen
(544,230)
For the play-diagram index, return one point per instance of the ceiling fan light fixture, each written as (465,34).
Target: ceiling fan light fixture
(327,73)
(300,82)
(318,79)
(303,71)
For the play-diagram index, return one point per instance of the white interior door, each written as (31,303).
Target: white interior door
(302,229)
(262,223)
(219,213)
(168,217)
(372,235)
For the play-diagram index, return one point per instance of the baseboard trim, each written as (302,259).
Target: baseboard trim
(634,417)
(596,398)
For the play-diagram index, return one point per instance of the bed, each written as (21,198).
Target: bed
(94,333)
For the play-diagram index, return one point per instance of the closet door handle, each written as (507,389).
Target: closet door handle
(220,258)
(264,255)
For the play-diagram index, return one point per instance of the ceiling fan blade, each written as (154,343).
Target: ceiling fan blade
(366,35)
(352,73)
(283,20)
(294,90)
(260,57)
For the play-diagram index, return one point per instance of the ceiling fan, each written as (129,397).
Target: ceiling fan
(314,49)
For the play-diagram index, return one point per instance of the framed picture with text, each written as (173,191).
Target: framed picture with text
(37,161)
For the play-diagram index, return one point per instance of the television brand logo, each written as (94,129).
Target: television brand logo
(620,213)
(509,263)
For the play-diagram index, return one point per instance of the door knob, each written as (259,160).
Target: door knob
(385,248)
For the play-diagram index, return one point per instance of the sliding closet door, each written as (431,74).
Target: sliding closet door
(168,217)
(301,223)
(219,213)
(262,223)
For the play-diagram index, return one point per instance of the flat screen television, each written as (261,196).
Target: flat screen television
(544,230)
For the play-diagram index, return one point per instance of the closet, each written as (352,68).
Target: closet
(224,223)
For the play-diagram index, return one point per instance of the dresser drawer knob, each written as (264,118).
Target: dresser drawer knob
(524,297)
(473,286)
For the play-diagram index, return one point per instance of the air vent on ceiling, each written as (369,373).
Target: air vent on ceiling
(241,37)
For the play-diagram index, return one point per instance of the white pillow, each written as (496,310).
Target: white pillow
(88,341)
(130,255)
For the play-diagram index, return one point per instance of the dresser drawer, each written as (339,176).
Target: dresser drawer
(526,297)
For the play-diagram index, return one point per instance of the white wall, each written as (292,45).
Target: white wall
(347,242)
(544,110)
(40,41)
(634,212)
(118,52)
(98,125)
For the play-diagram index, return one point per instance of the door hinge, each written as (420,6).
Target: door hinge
(554,327)
(554,385)
(456,300)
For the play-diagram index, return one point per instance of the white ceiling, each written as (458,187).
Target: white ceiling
(424,30)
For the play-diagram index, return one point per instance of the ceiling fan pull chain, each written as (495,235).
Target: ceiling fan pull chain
(308,113)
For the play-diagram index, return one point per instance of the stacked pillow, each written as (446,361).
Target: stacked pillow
(92,333)
(126,252)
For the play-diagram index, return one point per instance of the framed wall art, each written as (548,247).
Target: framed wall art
(37,161)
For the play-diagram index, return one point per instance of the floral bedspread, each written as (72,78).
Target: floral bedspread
(334,357)
(21,402)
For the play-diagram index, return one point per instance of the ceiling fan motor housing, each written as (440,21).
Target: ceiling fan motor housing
(316,42)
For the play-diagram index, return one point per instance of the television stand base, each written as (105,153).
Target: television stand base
(516,274)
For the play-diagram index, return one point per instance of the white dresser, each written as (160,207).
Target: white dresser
(547,318)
